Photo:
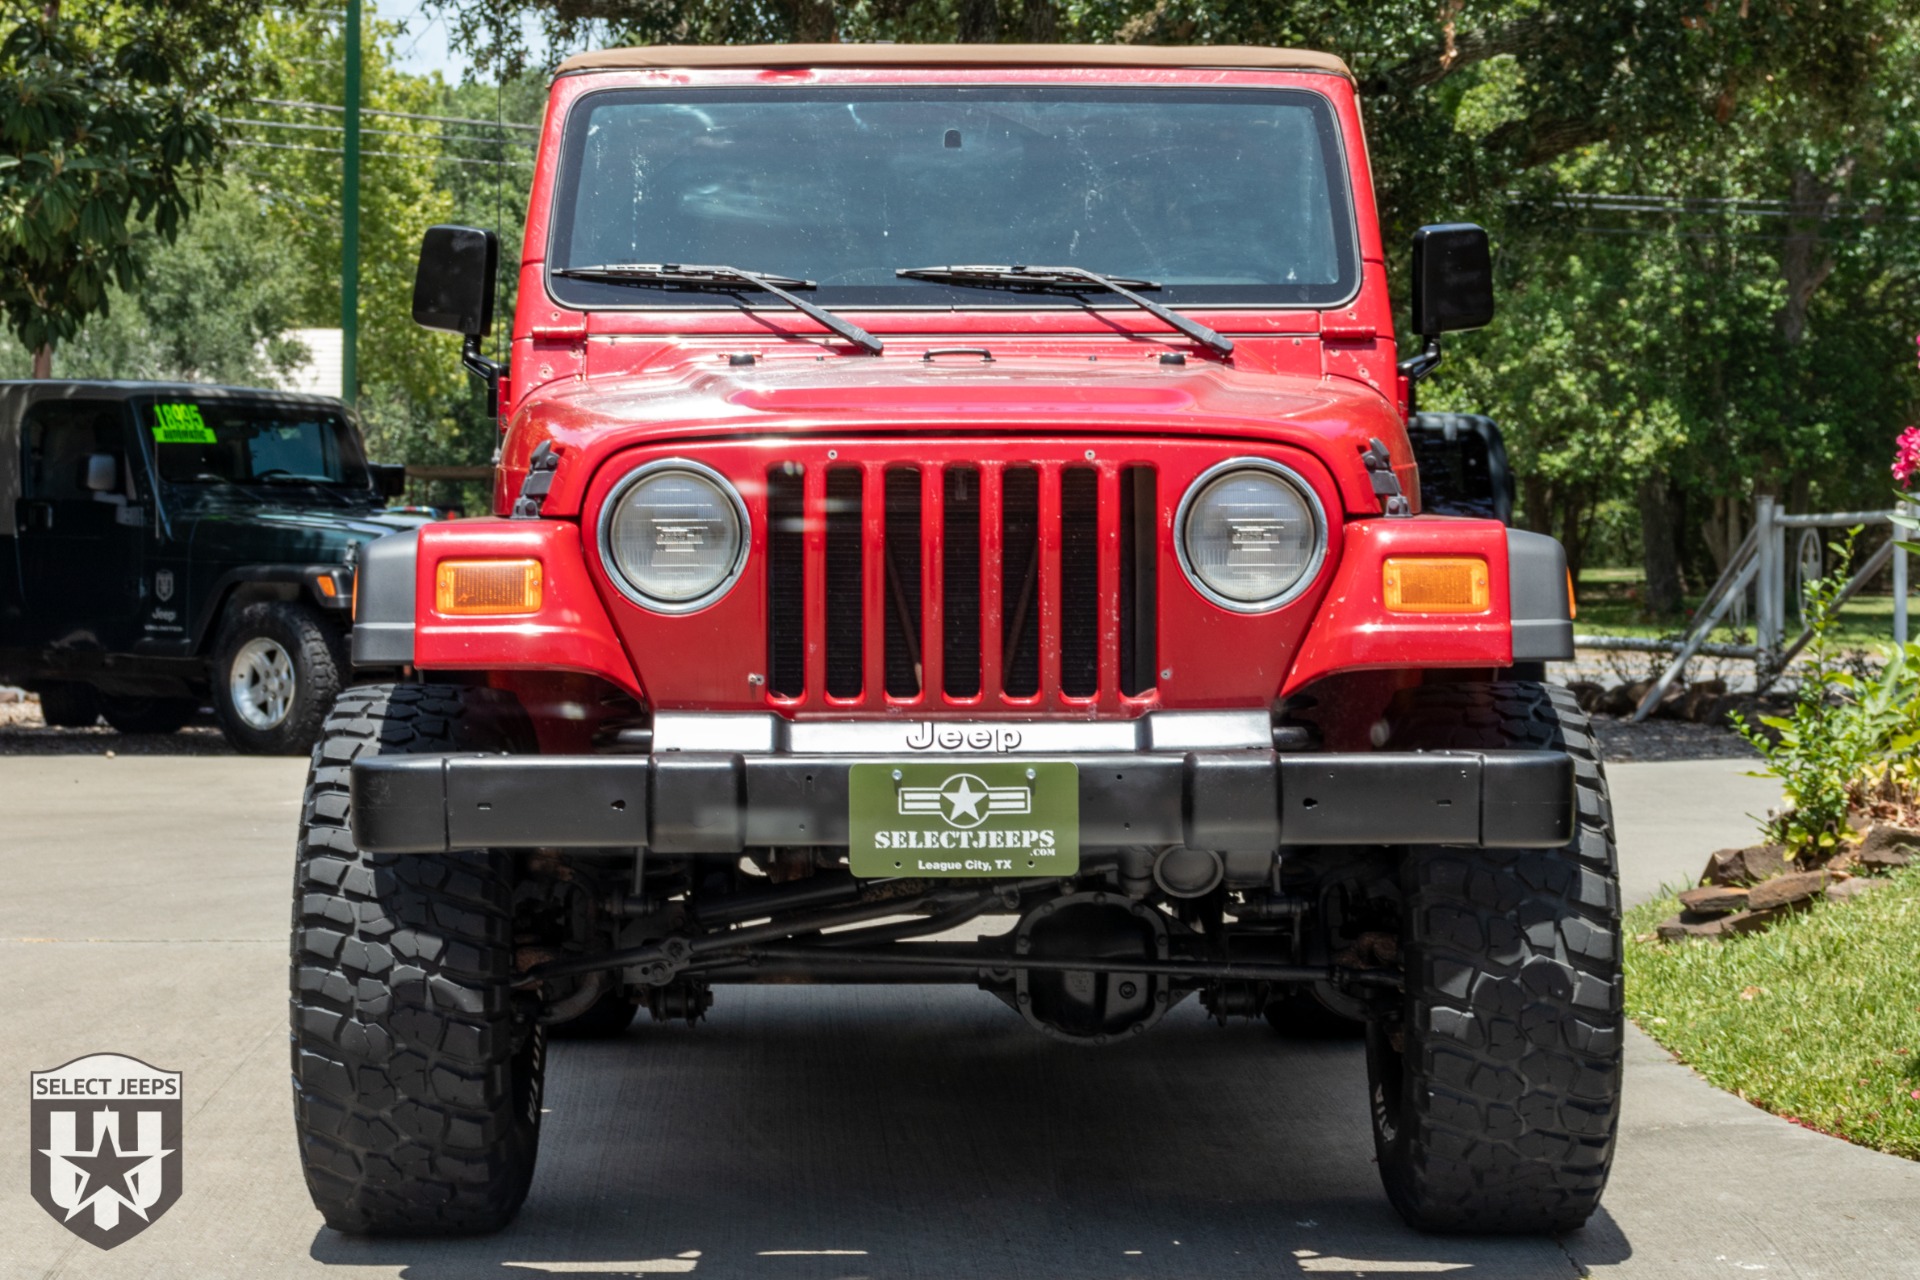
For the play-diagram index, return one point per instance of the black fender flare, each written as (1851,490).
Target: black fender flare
(252,582)
(1540,596)
(383,617)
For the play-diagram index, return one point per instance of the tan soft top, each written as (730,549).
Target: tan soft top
(954,55)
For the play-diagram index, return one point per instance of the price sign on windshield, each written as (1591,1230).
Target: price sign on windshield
(180,424)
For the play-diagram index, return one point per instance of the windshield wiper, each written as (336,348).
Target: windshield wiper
(1069,280)
(675,275)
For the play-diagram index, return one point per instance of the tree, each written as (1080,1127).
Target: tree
(1717,327)
(213,306)
(108,121)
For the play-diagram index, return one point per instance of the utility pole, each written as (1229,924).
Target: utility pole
(350,219)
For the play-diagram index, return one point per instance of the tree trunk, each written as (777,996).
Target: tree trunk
(1805,263)
(1536,503)
(1659,547)
(1721,531)
(1573,531)
(813,21)
(1039,22)
(978,22)
(43,360)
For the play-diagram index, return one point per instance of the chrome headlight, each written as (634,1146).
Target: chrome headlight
(674,534)
(1250,534)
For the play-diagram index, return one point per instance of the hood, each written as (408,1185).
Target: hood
(285,535)
(589,421)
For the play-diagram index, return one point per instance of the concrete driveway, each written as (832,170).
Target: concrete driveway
(810,1133)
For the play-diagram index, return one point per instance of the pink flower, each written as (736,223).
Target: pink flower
(1906,455)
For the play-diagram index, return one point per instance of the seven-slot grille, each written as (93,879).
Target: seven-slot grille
(988,584)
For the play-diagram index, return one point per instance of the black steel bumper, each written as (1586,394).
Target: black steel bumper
(725,802)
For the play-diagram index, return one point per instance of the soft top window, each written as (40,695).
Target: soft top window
(1223,197)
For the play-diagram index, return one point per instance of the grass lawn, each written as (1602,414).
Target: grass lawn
(1817,1019)
(1609,601)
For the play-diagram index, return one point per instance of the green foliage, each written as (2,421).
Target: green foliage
(107,123)
(214,306)
(1818,1018)
(1843,726)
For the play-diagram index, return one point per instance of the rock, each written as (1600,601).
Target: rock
(1587,694)
(1623,698)
(1795,886)
(1685,925)
(1690,925)
(1746,866)
(1701,702)
(1714,900)
(1887,846)
(1848,890)
(10,695)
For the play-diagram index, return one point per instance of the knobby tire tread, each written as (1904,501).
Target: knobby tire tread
(416,1079)
(1514,1026)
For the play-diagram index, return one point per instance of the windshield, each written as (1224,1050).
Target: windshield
(1222,197)
(217,441)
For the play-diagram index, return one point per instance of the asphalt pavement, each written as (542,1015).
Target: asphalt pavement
(809,1133)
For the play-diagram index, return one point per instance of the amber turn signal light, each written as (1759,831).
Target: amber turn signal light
(487,586)
(1436,584)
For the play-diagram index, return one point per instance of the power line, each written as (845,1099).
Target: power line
(385,133)
(397,155)
(400,115)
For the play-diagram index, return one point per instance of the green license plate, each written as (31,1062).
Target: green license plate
(964,818)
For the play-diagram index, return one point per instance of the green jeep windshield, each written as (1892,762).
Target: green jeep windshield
(1223,197)
(217,441)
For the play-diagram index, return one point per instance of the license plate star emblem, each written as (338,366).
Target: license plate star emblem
(965,801)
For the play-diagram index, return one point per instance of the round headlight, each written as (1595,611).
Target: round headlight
(675,533)
(1250,534)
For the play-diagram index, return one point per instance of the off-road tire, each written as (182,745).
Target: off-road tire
(1496,1097)
(147,715)
(319,661)
(69,705)
(605,1018)
(416,1068)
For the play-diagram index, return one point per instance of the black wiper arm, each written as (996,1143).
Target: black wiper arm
(1070,280)
(677,275)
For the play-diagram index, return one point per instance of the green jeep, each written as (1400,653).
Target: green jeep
(171,544)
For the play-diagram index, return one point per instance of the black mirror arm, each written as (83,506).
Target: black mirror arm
(1414,368)
(488,371)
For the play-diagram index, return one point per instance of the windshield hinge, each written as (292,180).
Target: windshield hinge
(533,490)
(1386,484)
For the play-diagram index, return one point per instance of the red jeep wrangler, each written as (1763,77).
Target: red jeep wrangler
(942,483)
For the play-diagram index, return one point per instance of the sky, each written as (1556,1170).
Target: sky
(424,48)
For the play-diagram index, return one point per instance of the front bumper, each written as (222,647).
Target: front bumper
(724,802)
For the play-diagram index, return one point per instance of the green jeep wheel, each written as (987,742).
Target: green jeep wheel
(276,671)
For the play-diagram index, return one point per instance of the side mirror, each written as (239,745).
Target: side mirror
(389,478)
(453,292)
(1452,279)
(453,285)
(103,472)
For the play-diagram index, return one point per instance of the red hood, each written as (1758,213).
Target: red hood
(708,399)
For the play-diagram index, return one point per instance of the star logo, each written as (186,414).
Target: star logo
(105,1140)
(965,801)
(108,1172)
